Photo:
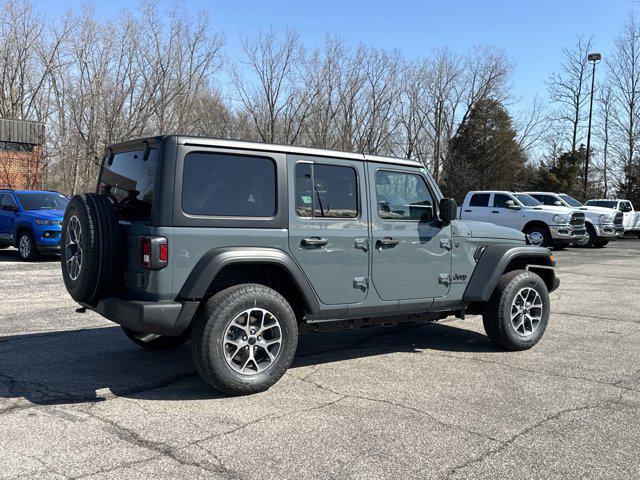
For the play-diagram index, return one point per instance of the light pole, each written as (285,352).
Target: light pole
(593,58)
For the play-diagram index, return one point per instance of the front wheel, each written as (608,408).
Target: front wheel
(517,314)
(590,239)
(27,247)
(244,339)
(539,235)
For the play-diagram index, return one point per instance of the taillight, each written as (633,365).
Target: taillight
(154,252)
(145,252)
(164,252)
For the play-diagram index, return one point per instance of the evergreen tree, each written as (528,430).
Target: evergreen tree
(484,154)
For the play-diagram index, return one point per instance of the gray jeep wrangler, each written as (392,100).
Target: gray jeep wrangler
(240,246)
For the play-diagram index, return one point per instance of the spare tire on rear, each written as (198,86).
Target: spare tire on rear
(89,247)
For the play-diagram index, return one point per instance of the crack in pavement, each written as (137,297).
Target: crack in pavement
(504,445)
(442,423)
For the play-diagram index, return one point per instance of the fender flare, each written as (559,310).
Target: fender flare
(494,261)
(212,262)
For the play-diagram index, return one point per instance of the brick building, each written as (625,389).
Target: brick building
(21,164)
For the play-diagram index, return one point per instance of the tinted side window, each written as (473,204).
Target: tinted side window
(500,200)
(625,207)
(7,201)
(545,199)
(403,196)
(326,191)
(129,180)
(228,185)
(479,200)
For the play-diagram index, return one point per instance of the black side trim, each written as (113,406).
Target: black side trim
(216,259)
(494,261)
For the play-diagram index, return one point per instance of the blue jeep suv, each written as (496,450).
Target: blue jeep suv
(31,220)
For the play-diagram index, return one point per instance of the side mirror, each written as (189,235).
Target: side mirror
(511,205)
(448,211)
(558,203)
(10,208)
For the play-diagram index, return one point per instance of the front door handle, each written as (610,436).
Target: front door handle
(386,242)
(495,211)
(313,242)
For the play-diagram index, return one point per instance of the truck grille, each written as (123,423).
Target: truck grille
(577,219)
(618,219)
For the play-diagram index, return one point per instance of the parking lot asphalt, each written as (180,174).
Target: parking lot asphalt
(79,400)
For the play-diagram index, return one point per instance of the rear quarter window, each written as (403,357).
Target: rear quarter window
(224,185)
(479,200)
(129,180)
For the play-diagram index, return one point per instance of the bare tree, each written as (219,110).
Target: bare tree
(624,73)
(605,114)
(568,87)
(532,125)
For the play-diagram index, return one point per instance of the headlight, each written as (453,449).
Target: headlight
(604,218)
(561,219)
(42,221)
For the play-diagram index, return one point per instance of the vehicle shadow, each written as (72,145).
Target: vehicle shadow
(90,365)
(11,255)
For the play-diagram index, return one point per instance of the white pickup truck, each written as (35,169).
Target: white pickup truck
(602,224)
(631,217)
(544,225)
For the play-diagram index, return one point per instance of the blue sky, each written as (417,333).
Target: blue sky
(532,32)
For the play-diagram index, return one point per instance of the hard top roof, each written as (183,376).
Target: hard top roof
(268,147)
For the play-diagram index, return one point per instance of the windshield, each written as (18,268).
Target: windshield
(129,182)
(43,201)
(603,203)
(572,202)
(527,200)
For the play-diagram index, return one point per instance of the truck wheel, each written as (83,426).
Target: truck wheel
(589,240)
(517,314)
(244,339)
(27,247)
(152,341)
(539,236)
(89,247)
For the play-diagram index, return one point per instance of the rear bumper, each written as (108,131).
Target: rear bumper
(163,318)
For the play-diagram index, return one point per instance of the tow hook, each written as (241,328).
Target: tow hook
(81,310)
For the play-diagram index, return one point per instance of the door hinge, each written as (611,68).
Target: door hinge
(444,279)
(361,283)
(445,243)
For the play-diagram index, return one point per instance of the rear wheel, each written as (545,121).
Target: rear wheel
(244,339)
(517,314)
(27,247)
(538,235)
(152,341)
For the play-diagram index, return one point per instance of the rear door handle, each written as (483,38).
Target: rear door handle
(495,211)
(467,211)
(387,242)
(313,242)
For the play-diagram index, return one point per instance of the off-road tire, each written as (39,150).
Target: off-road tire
(497,315)
(593,238)
(99,229)
(210,325)
(157,342)
(33,254)
(543,230)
